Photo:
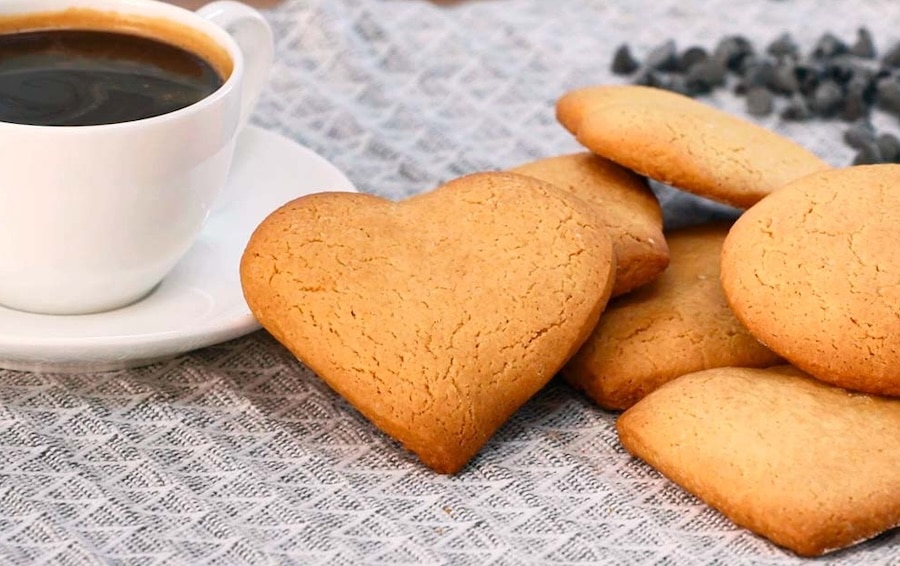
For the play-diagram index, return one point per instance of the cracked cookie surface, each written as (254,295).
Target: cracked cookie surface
(625,204)
(685,143)
(810,466)
(680,323)
(813,271)
(437,316)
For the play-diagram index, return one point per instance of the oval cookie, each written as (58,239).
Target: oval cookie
(678,324)
(809,466)
(438,316)
(679,141)
(814,272)
(624,203)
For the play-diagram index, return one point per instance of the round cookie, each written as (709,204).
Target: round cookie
(679,141)
(437,316)
(814,272)
(677,324)
(625,205)
(573,106)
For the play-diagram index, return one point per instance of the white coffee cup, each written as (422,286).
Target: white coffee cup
(92,218)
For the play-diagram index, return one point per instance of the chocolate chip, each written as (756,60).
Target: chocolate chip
(807,78)
(758,73)
(887,92)
(750,74)
(827,98)
(884,73)
(690,57)
(663,57)
(731,51)
(829,46)
(864,46)
(706,75)
(750,61)
(842,68)
(856,101)
(676,83)
(760,102)
(783,47)
(648,78)
(784,79)
(624,62)
(797,110)
(892,56)
(889,146)
(859,134)
(867,155)
(864,77)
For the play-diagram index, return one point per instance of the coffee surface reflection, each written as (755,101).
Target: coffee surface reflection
(82,78)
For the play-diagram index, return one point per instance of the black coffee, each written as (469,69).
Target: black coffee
(83,78)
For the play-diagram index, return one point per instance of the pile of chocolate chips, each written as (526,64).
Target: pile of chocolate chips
(835,80)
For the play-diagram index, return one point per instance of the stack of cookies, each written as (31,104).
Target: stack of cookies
(806,453)
(756,363)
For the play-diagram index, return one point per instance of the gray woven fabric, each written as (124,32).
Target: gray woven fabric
(237,454)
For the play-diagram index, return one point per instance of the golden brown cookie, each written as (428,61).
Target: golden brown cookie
(679,141)
(814,272)
(438,316)
(624,203)
(678,324)
(809,466)
(574,105)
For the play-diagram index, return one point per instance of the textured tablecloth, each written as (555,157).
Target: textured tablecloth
(238,454)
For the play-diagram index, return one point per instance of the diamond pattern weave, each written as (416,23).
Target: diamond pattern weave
(237,454)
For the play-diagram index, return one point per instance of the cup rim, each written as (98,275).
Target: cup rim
(169,11)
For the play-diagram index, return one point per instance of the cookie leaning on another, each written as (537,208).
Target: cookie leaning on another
(677,140)
(438,316)
(678,324)
(813,271)
(809,466)
(625,204)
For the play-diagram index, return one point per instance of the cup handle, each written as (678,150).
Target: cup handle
(253,35)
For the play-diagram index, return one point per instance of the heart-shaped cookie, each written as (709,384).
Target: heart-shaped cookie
(438,316)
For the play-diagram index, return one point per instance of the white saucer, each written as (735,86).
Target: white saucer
(200,303)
